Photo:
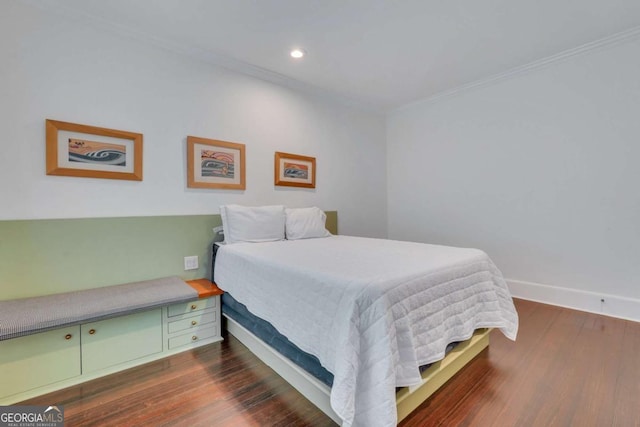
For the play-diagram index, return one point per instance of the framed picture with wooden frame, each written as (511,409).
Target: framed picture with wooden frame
(92,152)
(215,164)
(294,170)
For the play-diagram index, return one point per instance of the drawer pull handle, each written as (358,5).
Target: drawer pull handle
(68,337)
(193,307)
(194,323)
(193,338)
(92,331)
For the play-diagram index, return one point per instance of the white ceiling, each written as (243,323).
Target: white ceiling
(378,53)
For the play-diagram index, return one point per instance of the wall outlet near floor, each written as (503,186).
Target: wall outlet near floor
(191,262)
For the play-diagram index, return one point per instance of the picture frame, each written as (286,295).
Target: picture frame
(213,163)
(294,170)
(92,152)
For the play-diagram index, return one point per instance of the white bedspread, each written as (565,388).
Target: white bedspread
(371,310)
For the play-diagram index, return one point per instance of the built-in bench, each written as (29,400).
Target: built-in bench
(38,314)
(51,342)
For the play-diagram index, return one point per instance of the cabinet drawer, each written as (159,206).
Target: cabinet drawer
(121,339)
(38,360)
(202,318)
(189,307)
(194,336)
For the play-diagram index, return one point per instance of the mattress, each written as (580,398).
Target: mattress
(270,335)
(371,311)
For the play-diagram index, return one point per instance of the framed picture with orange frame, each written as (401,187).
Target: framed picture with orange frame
(215,164)
(92,152)
(294,170)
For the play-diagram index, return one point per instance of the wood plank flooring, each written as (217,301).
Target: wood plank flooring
(567,368)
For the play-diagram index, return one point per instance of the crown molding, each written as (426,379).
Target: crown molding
(613,39)
(203,55)
(317,92)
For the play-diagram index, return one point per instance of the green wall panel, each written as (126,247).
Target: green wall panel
(42,257)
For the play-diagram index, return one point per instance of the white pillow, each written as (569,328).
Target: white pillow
(252,224)
(305,223)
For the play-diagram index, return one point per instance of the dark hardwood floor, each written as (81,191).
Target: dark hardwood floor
(567,368)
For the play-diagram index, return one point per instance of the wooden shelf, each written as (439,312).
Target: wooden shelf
(205,287)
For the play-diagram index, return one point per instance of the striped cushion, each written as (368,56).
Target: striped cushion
(38,314)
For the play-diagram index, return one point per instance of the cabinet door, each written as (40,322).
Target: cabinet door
(122,339)
(37,360)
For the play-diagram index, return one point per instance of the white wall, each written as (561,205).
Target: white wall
(540,170)
(60,68)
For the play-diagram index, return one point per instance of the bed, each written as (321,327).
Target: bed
(370,312)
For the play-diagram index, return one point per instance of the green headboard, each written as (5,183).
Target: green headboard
(42,257)
(332,222)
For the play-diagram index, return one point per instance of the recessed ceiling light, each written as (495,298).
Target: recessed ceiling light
(297,53)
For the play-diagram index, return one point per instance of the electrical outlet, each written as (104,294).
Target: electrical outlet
(191,262)
(218,234)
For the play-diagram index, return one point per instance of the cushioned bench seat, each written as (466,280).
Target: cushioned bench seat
(38,314)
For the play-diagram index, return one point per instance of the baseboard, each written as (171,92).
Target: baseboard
(592,302)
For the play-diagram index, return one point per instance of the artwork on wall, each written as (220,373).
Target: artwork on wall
(215,164)
(93,152)
(293,170)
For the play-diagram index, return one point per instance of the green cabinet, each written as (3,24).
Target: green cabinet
(40,363)
(122,339)
(192,324)
(38,360)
